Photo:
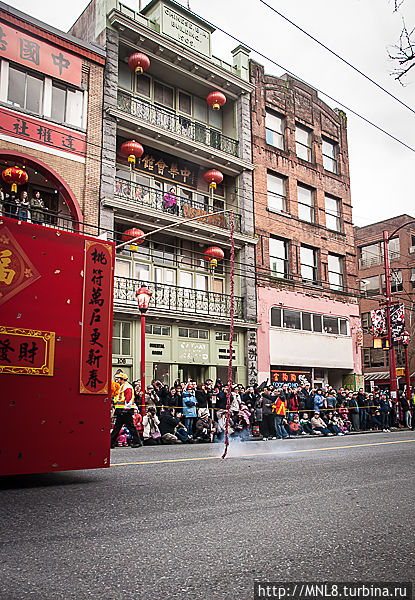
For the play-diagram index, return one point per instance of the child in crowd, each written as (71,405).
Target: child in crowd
(306,424)
(295,426)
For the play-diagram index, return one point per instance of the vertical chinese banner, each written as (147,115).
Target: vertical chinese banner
(96,333)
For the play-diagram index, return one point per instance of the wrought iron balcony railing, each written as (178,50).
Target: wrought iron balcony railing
(182,125)
(177,299)
(180,206)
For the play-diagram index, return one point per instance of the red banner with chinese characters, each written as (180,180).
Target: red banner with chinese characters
(31,52)
(42,132)
(96,314)
(26,351)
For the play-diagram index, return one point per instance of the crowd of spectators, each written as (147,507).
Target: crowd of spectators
(196,412)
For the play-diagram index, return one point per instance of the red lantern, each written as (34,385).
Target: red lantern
(130,234)
(213,177)
(139,62)
(15,176)
(133,150)
(216,100)
(213,254)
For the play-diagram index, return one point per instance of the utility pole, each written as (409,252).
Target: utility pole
(388,294)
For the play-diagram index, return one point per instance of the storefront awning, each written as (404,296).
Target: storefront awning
(376,376)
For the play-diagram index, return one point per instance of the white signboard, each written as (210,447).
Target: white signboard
(185,31)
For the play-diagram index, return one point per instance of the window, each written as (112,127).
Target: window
(317,323)
(373,357)
(303,143)
(308,259)
(369,286)
(330,324)
(124,76)
(366,320)
(335,271)
(185,103)
(369,255)
(332,208)
(277,193)
(274,130)
(306,321)
(275,317)
(200,109)
(121,338)
(202,334)
(67,105)
(142,85)
(394,249)
(25,91)
(223,336)
(278,257)
(122,268)
(305,198)
(329,156)
(292,319)
(157,329)
(163,94)
(396,282)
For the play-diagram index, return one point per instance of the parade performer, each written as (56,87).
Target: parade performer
(123,403)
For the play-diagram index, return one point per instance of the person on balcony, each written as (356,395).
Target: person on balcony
(23,206)
(38,208)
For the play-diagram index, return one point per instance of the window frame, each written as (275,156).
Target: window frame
(336,286)
(311,206)
(314,266)
(333,159)
(286,261)
(271,194)
(308,146)
(336,215)
(280,135)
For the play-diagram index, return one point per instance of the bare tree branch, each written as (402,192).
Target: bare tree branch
(403,53)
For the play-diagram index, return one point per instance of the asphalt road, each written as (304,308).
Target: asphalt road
(177,522)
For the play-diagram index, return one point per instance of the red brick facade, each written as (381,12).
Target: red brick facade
(299,104)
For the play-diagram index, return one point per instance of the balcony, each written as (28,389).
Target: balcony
(182,126)
(171,298)
(138,195)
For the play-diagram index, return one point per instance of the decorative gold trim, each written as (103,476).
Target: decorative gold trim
(47,367)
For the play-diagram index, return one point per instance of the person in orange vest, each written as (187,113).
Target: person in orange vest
(279,408)
(124,410)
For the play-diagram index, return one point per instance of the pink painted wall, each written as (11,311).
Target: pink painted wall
(269,297)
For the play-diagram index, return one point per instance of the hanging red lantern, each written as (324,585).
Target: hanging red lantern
(213,254)
(130,234)
(216,100)
(139,62)
(15,176)
(213,177)
(133,150)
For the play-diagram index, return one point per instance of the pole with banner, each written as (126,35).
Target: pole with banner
(388,294)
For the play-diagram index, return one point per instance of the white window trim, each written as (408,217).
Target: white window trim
(4,80)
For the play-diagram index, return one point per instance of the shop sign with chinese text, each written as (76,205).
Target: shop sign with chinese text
(26,351)
(28,51)
(291,377)
(38,131)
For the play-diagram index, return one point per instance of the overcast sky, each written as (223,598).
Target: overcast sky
(382,170)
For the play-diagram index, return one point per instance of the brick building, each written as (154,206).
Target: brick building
(369,247)
(51,114)
(306,269)
(165,110)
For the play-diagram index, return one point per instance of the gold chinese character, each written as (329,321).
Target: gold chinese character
(148,162)
(174,170)
(185,174)
(161,165)
(6,275)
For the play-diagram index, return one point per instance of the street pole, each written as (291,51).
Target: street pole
(143,299)
(388,294)
(407,375)
(143,362)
